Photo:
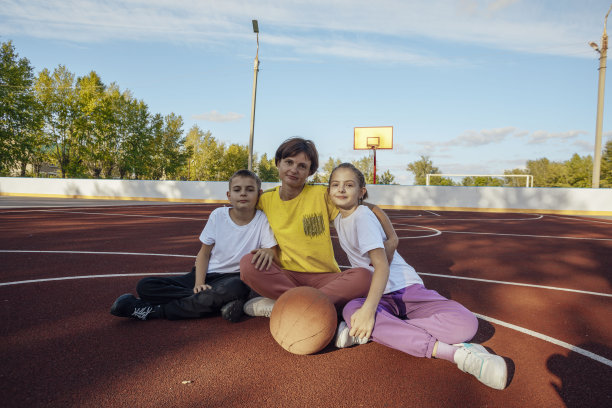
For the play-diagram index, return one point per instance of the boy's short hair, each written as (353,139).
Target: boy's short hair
(296,145)
(245,173)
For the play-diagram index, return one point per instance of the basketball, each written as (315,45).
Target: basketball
(303,320)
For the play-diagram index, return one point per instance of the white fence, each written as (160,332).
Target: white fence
(578,201)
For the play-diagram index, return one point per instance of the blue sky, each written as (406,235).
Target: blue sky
(478,86)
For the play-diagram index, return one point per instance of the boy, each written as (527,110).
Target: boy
(214,284)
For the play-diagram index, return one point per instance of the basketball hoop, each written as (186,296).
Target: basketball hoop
(373,138)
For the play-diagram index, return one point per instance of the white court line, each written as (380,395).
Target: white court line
(431,212)
(579,219)
(91,253)
(549,339)
(516,284)
(489,319)
(122,215)
(526,236)
(117,275)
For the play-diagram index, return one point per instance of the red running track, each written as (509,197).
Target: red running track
(540,284)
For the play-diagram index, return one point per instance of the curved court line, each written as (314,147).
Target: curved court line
(536,217)
(549,339)
(435,231)
(88,277)
(121,215)
(520,329)
(526,235)
(341,266)
(517,284)
(92,253)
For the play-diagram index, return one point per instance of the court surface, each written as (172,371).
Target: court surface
(541,286)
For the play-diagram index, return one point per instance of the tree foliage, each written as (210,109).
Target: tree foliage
(266,169)
(605,178)
(20,123)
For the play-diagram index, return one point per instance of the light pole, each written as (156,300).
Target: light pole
(600,100)
(256,70)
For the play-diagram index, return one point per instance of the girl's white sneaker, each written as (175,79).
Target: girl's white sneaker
(344,339)
(490,369)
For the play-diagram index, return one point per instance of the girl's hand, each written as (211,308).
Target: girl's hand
(200,288)
(263,258)
(362,323)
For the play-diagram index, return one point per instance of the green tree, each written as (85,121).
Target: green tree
(421,168)
(366,166)
(385,178)
(323,177)
(548,174)
(266,169)
(606,166)
(21,140)
(235,157)
(579,171)
(58,99)
(482,181)
(99,124)
(206,154)
(169,152)
(136,147)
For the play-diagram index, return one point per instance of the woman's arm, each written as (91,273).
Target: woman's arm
(362,321)
(201,266)
(392,239)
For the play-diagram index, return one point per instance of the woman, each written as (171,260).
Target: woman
(300,215)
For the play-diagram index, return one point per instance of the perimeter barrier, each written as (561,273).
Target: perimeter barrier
(572,201)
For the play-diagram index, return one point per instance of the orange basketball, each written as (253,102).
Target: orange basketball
(303,320)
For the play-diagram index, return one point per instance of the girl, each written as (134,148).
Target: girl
(432,325)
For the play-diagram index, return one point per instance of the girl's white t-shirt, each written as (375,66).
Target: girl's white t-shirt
(361,232)
(233,241)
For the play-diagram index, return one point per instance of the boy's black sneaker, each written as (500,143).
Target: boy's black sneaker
(232,311)
(129,305)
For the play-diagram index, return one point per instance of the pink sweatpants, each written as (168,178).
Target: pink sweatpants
(340,287)
(414,318)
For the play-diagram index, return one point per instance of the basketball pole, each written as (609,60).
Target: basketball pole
(374,178)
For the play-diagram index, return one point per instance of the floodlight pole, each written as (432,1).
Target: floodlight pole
(256,70)
(600,101)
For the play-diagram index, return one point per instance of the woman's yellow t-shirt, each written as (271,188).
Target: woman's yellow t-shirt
(301,228)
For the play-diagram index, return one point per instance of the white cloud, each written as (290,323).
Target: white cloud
(584,145)
(472,138)
(541,136)
(214,116)
(318,27)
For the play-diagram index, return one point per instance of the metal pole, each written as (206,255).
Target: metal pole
(374,148)
(600,104)
(256,70)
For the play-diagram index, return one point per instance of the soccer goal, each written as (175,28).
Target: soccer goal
(527,183)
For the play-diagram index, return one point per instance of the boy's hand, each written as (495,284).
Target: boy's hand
(263,258)
(200,288)
(362,323)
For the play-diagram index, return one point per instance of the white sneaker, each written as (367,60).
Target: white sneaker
(344,339)
(490,369)
(259,306)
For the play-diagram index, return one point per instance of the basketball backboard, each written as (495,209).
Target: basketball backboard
(377,137)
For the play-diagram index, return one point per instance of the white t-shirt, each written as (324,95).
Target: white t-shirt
(361,232)
(233,241)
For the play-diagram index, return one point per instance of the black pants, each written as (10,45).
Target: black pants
(178,301)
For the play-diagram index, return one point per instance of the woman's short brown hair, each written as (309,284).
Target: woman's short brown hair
(297,145)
